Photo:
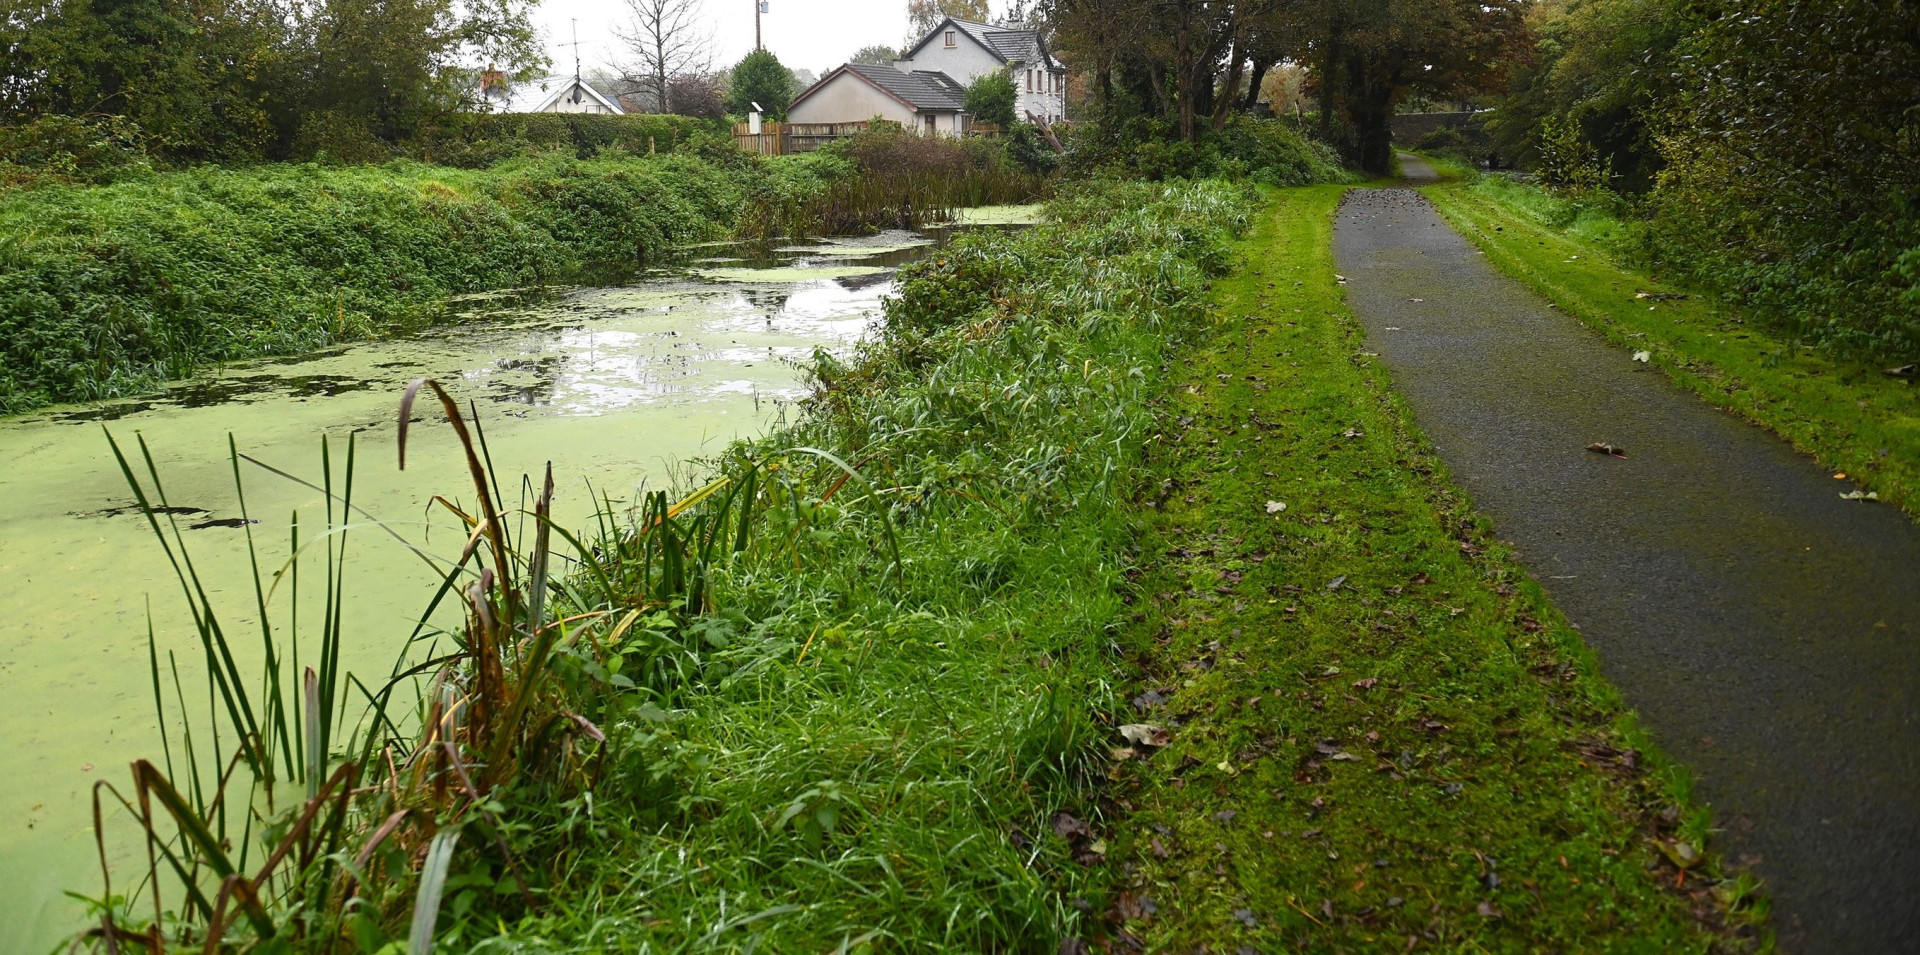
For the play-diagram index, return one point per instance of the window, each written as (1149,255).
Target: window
(952,41)
(1029,81)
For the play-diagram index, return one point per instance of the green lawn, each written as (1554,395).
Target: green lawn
(1381,732)
(1855,418)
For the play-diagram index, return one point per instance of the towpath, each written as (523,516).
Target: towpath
(1767,631)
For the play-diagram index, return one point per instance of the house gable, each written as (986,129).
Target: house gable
(962,35)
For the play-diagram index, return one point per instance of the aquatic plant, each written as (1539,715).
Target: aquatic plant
(834,691)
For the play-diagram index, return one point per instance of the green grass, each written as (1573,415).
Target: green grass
(834,704)
(1853,417)
(1383,735)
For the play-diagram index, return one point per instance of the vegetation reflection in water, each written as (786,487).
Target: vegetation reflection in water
(614,386)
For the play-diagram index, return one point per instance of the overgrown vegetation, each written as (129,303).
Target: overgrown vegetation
(1359,722)
(1772,146)
(1273,152)
(107,290)
(837,695)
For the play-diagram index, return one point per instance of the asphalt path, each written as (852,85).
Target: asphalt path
(1767,631)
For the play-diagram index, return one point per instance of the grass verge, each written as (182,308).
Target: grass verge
(1854,418)
(850,695)
(1378,730)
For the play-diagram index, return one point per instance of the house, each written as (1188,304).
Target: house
(926,88)
(548,94)
(966,50)
(929,102)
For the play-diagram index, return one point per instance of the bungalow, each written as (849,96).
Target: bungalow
(548,94)
(926,88)
(929,102)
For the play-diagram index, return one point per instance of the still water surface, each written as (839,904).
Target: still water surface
(614,386)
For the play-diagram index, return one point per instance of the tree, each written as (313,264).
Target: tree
(875,55)
(667,42)
(924,15)
(697,95)
(990,98)
(759,78)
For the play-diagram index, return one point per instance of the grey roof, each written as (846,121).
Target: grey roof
(920,89)
(1010,45)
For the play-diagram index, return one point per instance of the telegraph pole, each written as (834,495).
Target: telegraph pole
(759,6)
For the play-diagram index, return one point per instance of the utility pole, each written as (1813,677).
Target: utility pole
(759,7)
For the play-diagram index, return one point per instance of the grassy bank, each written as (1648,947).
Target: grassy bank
(1378,731)
(839,697)
(1853,416)
(106,291)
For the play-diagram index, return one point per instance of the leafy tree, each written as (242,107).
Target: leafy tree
(1599,70)
(876,55)
(924,15)
(990,98)
(759,78)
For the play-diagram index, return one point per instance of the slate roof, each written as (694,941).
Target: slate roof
(1010,45)
(920,89)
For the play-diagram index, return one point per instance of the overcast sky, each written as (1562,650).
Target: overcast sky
(814,35)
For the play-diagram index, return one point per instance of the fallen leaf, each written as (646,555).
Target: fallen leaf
(1366,684)
(1611,450)
(1146,734)
(1416,300)
(1488,911)
(1335,583)
(1275,507)
(1643,356)
(1904,371)
(1681,854)
(1841,476)
(1860,496)
(1225,816)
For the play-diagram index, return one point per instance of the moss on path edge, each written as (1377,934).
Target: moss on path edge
(1378,731)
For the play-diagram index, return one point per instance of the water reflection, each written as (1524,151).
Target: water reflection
(612,385)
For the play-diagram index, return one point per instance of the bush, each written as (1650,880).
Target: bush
(106,290)
(64,149)
(1271,151)
(478,140)
(990,98)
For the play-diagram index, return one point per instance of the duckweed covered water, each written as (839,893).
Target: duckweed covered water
(615,386)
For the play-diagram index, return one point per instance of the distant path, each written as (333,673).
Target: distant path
(1767,631)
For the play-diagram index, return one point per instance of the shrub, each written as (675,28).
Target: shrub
(1272,151)
(66,149)
(990,98)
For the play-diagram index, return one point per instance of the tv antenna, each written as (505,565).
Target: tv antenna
(576,60)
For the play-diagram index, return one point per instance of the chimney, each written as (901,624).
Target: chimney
(492,79)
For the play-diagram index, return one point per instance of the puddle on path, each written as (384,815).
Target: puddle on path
(614,386)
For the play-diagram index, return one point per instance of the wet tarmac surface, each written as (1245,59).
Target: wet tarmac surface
(1767,631)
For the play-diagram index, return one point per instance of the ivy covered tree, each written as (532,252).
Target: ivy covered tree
(990,98)
(759,78)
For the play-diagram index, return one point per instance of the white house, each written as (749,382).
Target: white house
(926,88)
(966,50)
(929,102)
(548,94)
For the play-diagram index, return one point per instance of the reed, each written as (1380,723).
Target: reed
(883,624)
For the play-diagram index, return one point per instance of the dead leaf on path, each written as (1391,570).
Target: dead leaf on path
(1275,507)
(1643,356)
(1416,300)
(1860,496)
(1611,450)
(1146,734)
(1681,854)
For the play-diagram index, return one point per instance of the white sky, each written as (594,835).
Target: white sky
(815,35)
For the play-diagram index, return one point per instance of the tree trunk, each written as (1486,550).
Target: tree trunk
(1183,68)
(1223,104)
(1254,79)
(1370,106)
(1328,68)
